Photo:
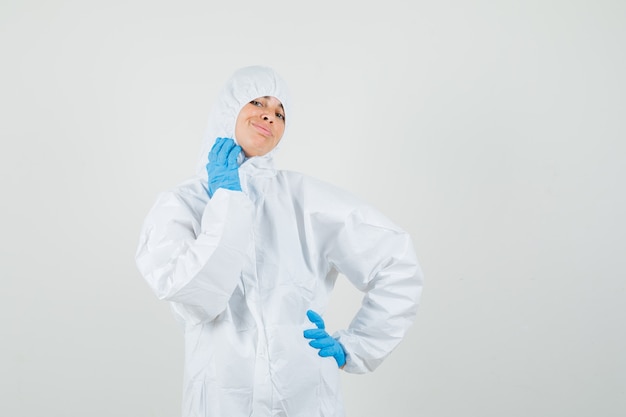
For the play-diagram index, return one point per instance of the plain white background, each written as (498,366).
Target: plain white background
(494,132)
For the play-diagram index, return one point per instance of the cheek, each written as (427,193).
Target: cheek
(239,124)
(280,132)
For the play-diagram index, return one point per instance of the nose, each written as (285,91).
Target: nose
(267,118)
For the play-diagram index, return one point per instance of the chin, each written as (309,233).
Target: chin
(253,153)
(256,151)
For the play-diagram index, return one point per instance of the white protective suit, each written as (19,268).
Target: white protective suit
(242,268)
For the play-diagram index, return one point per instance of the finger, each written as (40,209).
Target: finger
(315,319)
(215,149)
(222,155)
(326,352)
(232,156)
(322,343)
(329,351)
(315,333)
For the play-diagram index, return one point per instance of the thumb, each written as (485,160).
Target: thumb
(315,319)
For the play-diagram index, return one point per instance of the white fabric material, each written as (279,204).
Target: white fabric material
(244,85)
(241,269)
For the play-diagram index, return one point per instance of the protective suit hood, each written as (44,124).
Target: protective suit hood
(244,85)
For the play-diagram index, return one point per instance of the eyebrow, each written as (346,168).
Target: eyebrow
(281,104)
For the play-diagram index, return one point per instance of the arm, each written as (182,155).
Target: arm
(196,261)
(379,259)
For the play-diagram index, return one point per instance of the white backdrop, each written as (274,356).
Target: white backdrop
(494,132)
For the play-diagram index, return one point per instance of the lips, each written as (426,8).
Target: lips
(263,130)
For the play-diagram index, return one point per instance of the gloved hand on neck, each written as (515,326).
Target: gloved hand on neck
(223,168)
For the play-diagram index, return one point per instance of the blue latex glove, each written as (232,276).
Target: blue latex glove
(327,345)
(223,169)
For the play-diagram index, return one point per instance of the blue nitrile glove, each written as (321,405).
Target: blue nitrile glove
(327,345)
(223,169)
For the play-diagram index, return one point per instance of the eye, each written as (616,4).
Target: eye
(256,103)
(280,116)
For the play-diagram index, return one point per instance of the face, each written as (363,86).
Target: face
(260,126)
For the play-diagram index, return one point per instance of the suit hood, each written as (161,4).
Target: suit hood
(244,85)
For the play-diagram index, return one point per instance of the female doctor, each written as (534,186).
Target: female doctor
(247,256)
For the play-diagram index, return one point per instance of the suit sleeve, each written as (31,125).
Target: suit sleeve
(195,259)
(379,259)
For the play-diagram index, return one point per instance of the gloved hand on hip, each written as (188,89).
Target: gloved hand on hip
(327,345)
(223,169)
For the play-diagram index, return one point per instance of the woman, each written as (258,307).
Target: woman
(247,255)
